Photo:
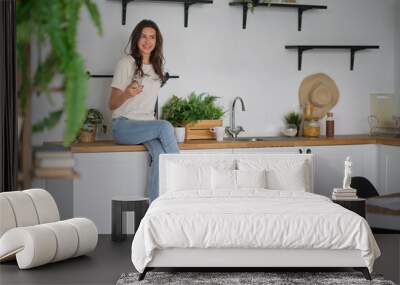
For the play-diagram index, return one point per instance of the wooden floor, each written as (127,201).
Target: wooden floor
(102,266)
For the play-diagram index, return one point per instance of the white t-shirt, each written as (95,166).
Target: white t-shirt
(140,107)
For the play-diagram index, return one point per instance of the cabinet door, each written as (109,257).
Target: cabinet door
(329,165)
(389,169)
(104,175)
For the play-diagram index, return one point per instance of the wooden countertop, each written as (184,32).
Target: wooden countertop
(111,146)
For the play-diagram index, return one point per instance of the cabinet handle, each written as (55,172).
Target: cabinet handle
(308,151)
(300,150)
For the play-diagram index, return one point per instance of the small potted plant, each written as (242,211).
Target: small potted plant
(94,118)
(293,123)
(174,111)
(204,114)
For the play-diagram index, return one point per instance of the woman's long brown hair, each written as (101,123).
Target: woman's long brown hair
(156,56)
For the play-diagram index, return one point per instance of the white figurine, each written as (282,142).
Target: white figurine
(347,174)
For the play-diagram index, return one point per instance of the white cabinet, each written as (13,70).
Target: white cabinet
(104,175)
(329,165)
(329,162)
(388,169)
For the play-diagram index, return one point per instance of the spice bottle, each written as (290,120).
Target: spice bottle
(330,125)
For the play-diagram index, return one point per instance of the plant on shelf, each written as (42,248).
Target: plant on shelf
(94,118)
(293,119)
(53,25)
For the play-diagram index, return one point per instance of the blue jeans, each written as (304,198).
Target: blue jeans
(157,136)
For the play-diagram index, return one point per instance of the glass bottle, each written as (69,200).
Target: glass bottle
(330,125)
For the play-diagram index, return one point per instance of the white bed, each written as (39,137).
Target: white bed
(246,210)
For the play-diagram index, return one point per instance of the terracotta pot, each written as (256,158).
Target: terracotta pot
(87,137)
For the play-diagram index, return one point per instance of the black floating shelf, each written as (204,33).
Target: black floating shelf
(300,9)
(186,3)
(353,50)
(167,76)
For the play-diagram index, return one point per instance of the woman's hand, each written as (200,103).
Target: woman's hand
(118,97)
(133,89)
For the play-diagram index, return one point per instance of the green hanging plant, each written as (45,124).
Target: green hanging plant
(54,23)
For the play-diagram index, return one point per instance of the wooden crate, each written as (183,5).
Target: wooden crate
(200,130)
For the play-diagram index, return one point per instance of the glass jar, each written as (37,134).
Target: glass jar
(312,128)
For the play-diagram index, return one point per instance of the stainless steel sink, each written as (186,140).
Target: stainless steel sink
(250,139)
(253,139)
(256,139)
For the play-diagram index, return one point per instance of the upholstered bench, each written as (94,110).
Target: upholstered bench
(31,231)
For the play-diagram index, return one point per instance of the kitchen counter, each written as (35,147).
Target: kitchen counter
(112,146)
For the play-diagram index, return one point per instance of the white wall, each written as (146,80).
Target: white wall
(215,55)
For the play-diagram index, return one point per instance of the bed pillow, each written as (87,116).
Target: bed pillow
(293,178)
(251,178)
(287,174)
(223,179)
(184,178)
(229,179)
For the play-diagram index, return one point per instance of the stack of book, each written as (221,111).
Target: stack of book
(344,194)
(53,161)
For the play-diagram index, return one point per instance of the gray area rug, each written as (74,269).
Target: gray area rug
(244,278)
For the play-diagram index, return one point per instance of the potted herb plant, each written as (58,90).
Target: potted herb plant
(204,114)
(94,118)
(198,113)
(292,121)
(174,111)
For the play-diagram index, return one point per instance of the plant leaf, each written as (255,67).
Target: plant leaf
(48,122)
(75,97)
(94,15)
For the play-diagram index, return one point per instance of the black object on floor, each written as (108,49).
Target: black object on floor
(139,205)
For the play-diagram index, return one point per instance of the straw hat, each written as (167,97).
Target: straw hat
(321,92)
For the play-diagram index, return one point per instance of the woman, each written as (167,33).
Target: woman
(135,86)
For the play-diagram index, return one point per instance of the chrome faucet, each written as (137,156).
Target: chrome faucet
(234,130)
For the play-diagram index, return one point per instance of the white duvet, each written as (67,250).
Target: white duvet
(250,219)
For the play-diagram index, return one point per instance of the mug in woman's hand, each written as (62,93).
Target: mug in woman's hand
(219,133)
